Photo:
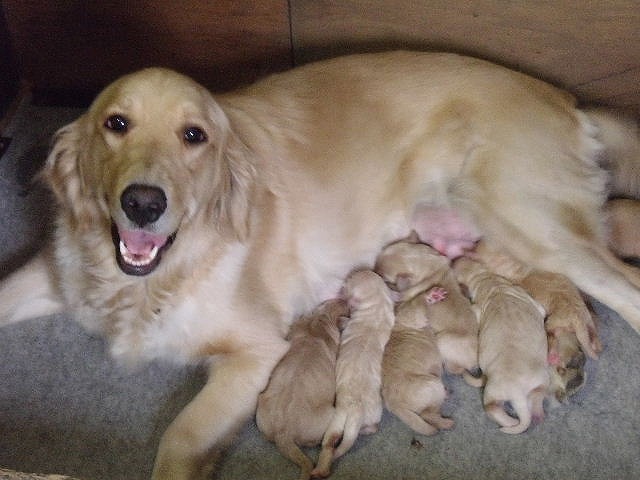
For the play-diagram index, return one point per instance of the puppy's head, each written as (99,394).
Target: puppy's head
(566,364)
(403,264)
(153,153)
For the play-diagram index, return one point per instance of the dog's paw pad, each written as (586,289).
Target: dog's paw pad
(435,295)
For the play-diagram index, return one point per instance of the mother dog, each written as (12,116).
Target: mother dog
(197,228)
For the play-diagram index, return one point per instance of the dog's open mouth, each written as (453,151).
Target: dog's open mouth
(139,252)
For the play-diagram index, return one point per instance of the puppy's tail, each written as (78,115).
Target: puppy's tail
(290,450)
(620,137)
(523,410)
(332,437)
(352,428)
(413,420)
(473,380)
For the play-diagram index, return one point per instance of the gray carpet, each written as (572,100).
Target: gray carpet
(66,408)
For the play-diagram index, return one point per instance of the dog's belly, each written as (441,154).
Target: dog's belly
(445,229)
(333,251)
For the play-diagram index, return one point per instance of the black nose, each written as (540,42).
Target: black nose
(143,204)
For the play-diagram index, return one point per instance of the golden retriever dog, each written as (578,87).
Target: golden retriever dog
(196,227)
(570,325)
(297,405)
(412,267)
(412,387)
(623,219)
(512,349)
(359,366)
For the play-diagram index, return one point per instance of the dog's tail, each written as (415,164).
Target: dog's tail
(412,420)
(351,431)
(620,137)
(329,441)
(290,450)
(523,410)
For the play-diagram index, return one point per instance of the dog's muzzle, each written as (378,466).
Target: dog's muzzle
(139,251)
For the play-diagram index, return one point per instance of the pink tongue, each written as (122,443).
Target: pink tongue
(139,242)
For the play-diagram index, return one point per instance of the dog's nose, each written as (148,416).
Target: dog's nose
(143,204)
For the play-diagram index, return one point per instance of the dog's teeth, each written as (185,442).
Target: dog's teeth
(137,260)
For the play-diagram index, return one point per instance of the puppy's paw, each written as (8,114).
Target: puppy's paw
(435,295)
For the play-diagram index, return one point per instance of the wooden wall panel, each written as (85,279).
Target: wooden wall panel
(591,48)
(79,46)
(8,73)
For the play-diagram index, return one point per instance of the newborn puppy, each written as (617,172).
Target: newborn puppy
(412,386)
(570,330)
(358,369)
(297,405)
(413,268)
(513,346)
(570,326)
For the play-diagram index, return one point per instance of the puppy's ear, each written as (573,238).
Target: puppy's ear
(235,177)
(413,237)
(404,281)
(62,168)
(465,290)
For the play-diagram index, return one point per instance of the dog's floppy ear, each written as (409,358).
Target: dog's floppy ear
(235,177)
(62,169)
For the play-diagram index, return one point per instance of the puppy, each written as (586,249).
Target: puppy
(358,370)
(513,346)
(412,386)
(413,267)
(297,405)
(570,325)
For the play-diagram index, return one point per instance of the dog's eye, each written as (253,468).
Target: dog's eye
(117,123)
(194,135)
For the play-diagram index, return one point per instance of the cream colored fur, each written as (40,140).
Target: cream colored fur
(512,346)
(298,404)
(359,366)
(412,386)
(303,177)
(413,268)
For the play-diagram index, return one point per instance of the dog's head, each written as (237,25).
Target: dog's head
(153,152)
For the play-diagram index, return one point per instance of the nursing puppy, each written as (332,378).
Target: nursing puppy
(412,386)
(358,370)
(512,349)
(297,405)
(186,230)
(412,267)
(570,325)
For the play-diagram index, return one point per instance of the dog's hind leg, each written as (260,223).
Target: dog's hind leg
(597,272)
(550,233)
(29,292)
